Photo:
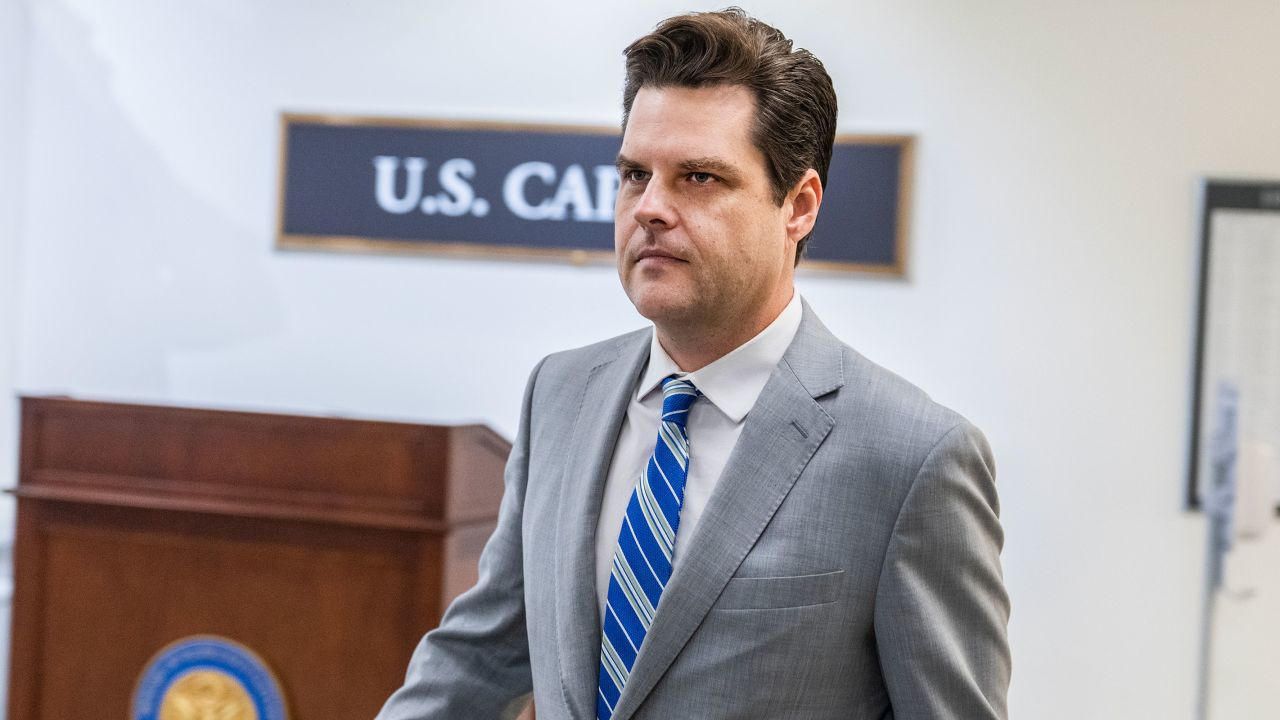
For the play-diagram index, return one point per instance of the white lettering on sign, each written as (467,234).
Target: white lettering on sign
(458,198)
(461,198)
(513,190)
(401,193)
(385,186)
(572,190)
(607,182)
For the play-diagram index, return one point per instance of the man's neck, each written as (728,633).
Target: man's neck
(696,346)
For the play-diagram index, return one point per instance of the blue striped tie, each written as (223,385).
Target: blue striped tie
(642,560)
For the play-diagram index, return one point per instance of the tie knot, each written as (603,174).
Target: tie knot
(677,397)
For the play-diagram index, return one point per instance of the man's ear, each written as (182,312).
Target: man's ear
(802,205)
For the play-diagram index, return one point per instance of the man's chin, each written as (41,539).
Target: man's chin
(664,310)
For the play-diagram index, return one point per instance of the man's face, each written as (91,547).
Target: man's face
(700,242)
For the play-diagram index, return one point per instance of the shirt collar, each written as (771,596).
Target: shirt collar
(733,382)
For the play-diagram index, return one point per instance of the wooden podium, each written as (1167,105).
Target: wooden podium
(326,546)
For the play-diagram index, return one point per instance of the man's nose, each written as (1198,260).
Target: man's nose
(656,207)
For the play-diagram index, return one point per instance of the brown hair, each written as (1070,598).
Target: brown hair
(795,123)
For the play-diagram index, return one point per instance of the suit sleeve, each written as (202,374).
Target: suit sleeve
(942,611)
(476,664)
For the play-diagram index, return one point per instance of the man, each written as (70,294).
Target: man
(734,515)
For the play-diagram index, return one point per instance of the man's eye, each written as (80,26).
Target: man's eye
(701,178)
(635,176)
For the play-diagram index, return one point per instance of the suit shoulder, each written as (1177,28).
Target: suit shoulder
(891,429)
(886,404)
(577,363)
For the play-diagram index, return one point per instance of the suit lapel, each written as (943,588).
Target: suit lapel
(782,432)
(606,394)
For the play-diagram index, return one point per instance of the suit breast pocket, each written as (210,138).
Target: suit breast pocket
(765,593)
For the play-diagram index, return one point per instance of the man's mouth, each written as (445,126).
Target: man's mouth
(655,255)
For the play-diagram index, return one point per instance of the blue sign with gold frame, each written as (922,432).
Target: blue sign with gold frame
(399,185)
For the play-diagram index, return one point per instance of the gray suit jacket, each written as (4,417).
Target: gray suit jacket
(847,564)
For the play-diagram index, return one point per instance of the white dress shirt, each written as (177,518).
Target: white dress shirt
(730,387)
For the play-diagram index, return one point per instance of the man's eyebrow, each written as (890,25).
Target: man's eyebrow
(726,171)
(708,164)
(625,163)
(711,164)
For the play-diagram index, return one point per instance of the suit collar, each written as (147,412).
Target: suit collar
(733,382)
(816,357)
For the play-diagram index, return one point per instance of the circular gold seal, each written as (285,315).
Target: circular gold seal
(207,695)
(205,677)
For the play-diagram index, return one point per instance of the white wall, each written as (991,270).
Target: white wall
(1052,263)
(13,77)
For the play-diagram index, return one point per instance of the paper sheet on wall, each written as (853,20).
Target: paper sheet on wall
(1242,346)
(1242,351)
